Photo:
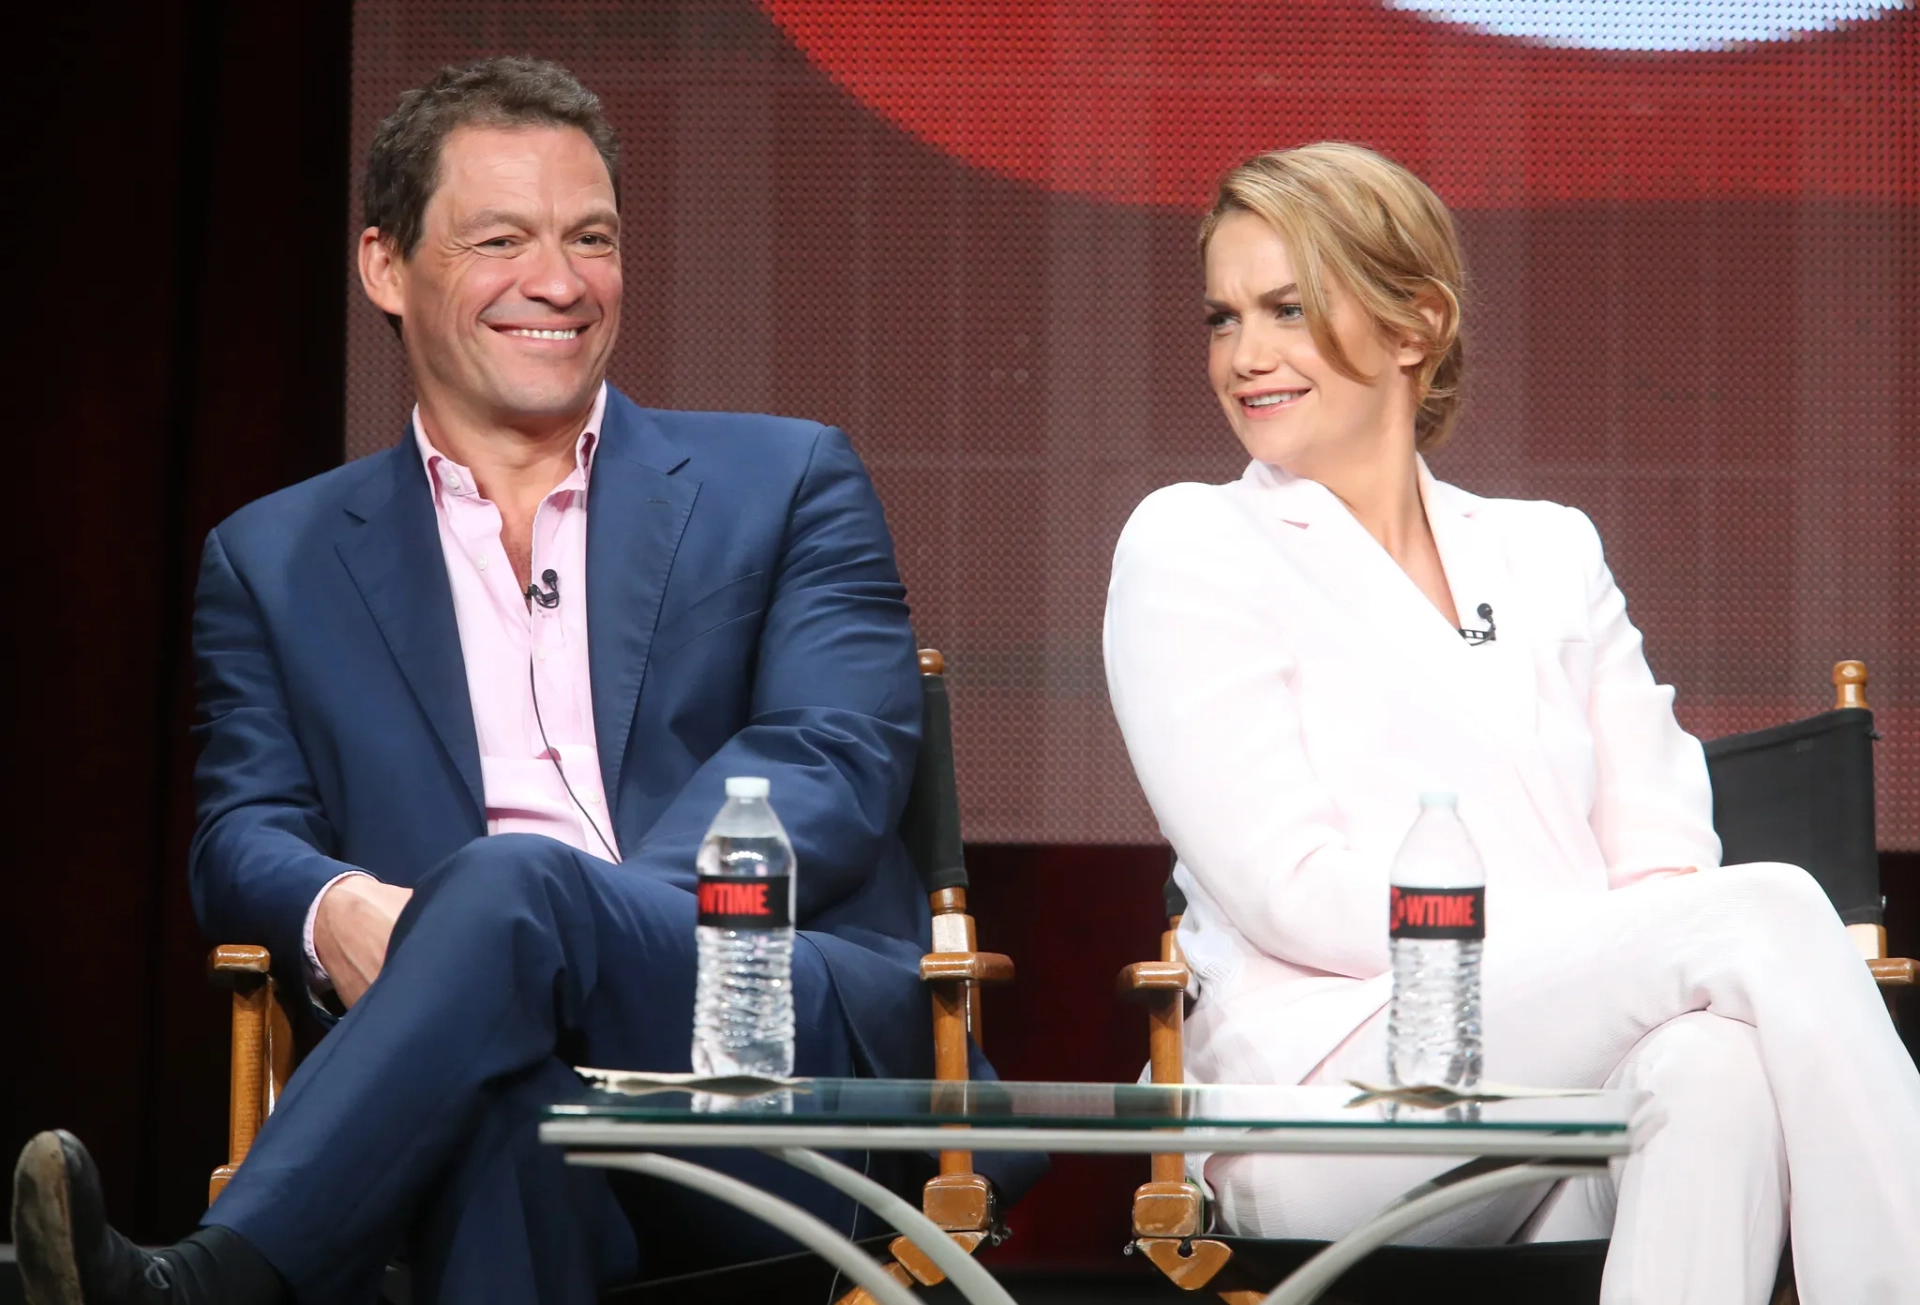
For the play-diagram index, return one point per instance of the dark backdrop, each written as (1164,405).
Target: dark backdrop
(177,175)
(180,272)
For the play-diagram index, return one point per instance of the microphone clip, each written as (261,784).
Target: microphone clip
(551,598)
(1473,637)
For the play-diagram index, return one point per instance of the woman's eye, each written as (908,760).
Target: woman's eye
(1291,312)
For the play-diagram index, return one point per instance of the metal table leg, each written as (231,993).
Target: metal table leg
(1456,1187)
(971,1280)
(804,1228)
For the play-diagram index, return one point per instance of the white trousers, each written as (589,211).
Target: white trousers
(1736,998)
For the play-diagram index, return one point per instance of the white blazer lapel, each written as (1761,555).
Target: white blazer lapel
(1487,692)
(1499,677)
(1495,676)
(1361,577)
(1351,567)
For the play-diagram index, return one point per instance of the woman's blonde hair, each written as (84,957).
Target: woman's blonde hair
(1352,216)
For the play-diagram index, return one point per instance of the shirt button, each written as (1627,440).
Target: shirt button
(593,799)
(539,654)
(481,561)
(450,478)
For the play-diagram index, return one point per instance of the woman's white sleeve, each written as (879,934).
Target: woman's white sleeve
(1198,670)
(1653,805)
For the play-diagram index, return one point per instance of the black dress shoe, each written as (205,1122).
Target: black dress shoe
(67,1252)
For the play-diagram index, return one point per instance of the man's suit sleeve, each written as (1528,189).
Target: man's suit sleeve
(1653,803)
(261,846)
(1198,674)
(835,715)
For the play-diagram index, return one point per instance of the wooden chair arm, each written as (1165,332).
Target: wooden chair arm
(1145,980)
(232,963)
(262,1048)
(1895,971)
(959,1200)
(1166,1209)
(977,967)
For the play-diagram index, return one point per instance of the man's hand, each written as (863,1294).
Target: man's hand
(350,932)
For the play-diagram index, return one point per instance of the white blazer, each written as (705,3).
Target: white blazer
(1286,693)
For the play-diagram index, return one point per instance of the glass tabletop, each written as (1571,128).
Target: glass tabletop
(665,1099)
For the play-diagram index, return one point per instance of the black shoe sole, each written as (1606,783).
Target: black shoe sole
(43,1224)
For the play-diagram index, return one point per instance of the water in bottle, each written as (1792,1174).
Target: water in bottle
(1438,925)
(743,994)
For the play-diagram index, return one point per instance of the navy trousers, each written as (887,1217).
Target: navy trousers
(410,1131)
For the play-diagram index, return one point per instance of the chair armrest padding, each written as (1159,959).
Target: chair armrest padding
(242,963)
(1143,980)
(980,967)
(1894,971)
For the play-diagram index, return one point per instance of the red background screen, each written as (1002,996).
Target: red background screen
(964,231)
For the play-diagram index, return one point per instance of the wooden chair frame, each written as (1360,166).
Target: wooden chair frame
(957,1199)
(1169,1216)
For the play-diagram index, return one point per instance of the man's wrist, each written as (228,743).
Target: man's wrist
(316,972)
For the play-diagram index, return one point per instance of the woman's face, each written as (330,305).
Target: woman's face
(1287,403)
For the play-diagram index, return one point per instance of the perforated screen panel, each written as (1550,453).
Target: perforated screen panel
(964,231)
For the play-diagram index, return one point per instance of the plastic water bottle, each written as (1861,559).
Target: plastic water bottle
(743,993)
(1438,926)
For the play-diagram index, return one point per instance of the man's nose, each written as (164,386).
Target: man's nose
(553,278)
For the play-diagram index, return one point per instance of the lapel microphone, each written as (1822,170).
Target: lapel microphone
(1473,637)
(551,598)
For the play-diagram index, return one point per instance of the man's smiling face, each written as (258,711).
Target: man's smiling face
(510,303)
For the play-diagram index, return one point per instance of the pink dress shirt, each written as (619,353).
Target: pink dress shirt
(527,670)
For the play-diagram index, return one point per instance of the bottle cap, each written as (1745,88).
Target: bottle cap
(1439,798)
(747,786)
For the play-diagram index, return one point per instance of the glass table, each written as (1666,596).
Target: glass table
(618,1120)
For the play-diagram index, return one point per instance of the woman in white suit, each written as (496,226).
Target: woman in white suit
(1286,658)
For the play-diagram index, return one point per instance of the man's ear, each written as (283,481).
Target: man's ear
(382,272)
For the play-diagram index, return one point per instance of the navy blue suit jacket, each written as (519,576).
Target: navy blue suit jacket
(746,618)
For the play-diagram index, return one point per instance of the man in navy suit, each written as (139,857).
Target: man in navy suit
(469,706)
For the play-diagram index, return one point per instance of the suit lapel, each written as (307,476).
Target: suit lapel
(1497,676)
(396,560)
(1357,574)
(1489,692)
(1500,679)
(637,511)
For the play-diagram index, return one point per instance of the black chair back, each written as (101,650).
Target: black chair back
(930,825)
(1803,793)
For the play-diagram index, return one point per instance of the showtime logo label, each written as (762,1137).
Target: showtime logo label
(1449,913)
(745,903)
(734,897)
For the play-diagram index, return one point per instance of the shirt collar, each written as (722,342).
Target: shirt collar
(449,477)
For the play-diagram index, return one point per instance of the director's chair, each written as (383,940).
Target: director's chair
(1801,793)
(959,1200)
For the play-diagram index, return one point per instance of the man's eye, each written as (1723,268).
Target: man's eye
(1217,320)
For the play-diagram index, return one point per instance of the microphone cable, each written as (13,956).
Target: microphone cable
(553,755)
